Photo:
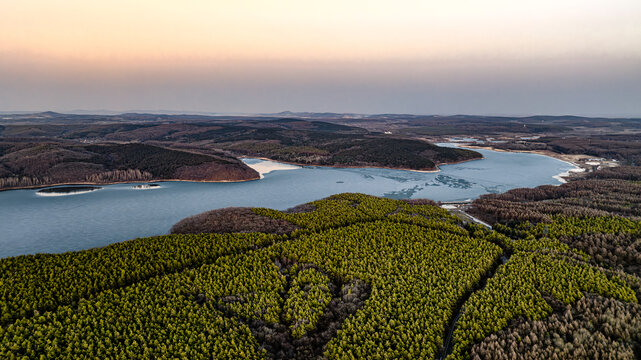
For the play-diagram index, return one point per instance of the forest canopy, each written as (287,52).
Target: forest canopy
(350,276)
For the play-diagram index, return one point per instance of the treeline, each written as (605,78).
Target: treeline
(119,175)
(23,181)
(350,208)
(626,148)
(631,173)
(475,125)
(584,214)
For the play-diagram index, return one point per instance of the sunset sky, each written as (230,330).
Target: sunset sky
(369,56)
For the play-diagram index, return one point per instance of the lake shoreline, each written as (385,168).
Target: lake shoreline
(566,158)
(36,187)
(435,170)
(117,213)
(561,157)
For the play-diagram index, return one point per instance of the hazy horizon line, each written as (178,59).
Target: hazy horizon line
(108,112)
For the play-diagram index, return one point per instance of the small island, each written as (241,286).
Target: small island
(145,186)
(67,190)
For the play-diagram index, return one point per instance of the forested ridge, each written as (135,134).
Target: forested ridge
(160,148)
(350,276)
(30,163)
(622,147)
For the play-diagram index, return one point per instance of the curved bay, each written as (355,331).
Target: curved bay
(34,224)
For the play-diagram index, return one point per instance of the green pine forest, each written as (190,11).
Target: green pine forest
(356,277)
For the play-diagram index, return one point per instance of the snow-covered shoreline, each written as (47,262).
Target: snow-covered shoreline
(561,176)
(66,193)
(266,166)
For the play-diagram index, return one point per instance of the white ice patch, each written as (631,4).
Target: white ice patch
(266,166)
(64,193)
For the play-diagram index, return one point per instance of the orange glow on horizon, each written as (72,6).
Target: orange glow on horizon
(406,56)
(201,30)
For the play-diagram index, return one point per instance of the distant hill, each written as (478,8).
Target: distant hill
(27,164)
(295,140)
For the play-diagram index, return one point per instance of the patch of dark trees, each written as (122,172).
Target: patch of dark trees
(231,220)
(160,162)
(613,191)
(595,327)
(396,153)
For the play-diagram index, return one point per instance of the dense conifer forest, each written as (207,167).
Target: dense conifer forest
(350,276)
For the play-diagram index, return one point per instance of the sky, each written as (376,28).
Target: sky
(490,57)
